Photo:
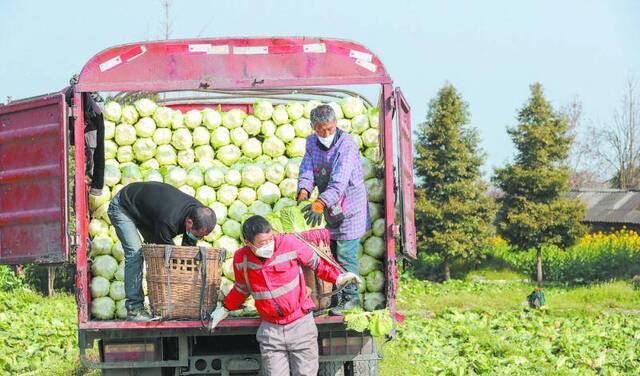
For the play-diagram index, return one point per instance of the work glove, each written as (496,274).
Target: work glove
(313,213)
(349,277)
(219,314)
(303,195)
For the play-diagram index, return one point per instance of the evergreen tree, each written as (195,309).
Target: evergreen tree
(453,214)
(534,210)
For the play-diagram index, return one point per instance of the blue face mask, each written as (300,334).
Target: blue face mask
(191,236)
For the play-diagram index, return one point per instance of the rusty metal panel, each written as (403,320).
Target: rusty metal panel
(609,205)
(33,182)
(231,63)
(405,156)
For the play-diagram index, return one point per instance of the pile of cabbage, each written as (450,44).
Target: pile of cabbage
(238,164)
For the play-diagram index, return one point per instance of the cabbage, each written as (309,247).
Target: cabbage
(284,203)
(289,187)
(193,119)
(101,245)
(186,158)
(239,136)
(268,128)
(375,189)
(286,132)
(176,176)
(359,124)
(373,154)
(367,264)
(103,308)
(212,119)
(352,106)
(233,177)
(177,119)
(274,173)
(104,266)
(163,117)
(252,125)
(268,193)
(121,309)
(145,107)
(220,137)
(227,194)
(124,154)
(111,175)
(130,174)
(236,210)
(378,227)
(292,169)
(295,110)
(232,228)
(116,290)
(373,301)
(229,154)
(129,114)
(375,211)
(357,320)
(292,219)
(252,148)
(260,208)
(110,149)
(359,250)
(227,243)
(233,118)
(375,281)
(144,149)
(214,176)
(200,136)
(344,124)
(204,152)
(252,176)
(296,148)
(188,190)
(215,234)
(273,147)
(112,111)
(374,117)
(310,106)
(220,209)
(101,213)
(370,137)
(194,177)
(181,139)
(263,159)
(117,251)
(302,127)
(263,109)
(145,127)
(381,322)
(152,175)
(336,110)
(109,130)
(99,287)
(227,270)
(226,284)
(125,134)
(205,194)
(116,189)
(368,168)
(358,140)
(162,136)
(247,195)
(166,155)
(280,115)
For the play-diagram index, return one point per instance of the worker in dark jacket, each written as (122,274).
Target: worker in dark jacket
(159,212)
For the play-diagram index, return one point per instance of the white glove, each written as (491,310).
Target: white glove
(219,314)
(347,277)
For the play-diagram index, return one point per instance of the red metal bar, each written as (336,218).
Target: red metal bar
(229,323)
(27,173)
(30,216)
(83,297)
(31,132)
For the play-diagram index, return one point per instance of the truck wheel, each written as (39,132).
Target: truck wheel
(362,368)
(331,369)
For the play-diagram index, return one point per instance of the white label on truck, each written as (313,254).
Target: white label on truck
(200,48)
(315,48)
(367,65)
(219,50)
(110,63)
(359,55)
(253,50)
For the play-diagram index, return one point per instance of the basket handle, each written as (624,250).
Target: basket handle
(167,255)
(202,257)
(167,258)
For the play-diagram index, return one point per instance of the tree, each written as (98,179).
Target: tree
(534,210)
(453,214)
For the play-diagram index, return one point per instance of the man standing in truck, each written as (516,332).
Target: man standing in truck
(160,212)
(331,163)
(268,268)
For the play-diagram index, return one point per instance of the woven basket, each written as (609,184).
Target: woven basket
(316,286)
(174,280)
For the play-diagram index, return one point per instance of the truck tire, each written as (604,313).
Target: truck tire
(331,369)
(362,368)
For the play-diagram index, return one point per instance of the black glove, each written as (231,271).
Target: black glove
(313,213)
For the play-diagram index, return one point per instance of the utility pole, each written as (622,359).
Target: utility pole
(166,6)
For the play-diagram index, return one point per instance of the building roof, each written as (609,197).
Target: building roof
(609,205)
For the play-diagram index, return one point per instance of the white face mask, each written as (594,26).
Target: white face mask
(327,141)
(265,251)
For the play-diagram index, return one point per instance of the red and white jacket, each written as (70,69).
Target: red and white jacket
(277,283)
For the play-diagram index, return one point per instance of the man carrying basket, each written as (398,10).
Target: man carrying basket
(268,268)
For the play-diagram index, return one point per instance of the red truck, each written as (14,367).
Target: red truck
(36,202)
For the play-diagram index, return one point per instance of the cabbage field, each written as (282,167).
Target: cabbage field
(237,163)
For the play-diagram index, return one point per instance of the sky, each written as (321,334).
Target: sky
(490,50)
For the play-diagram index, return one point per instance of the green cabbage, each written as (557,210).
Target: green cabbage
(260,208)
(359,124)
(176,176)
(268,128)
(145,127)
(116,290)
(212,119)
(367,264)
(252,176)
(98,227)
(145,107)
(263,109)
(233,118)
(195,178)
(337,110)
(227,194)
(252,148)
(370,137)
(130,174)
(104,266)
(129,114)
(117,251)
(177,120)
(162,136)
(273,147)
(274,173)
(125,154)
(375,189)
(239,136)
(166,155)
(214,177)
(186,158)
(112,175)
(110,149)
(295,110)
(193,119)
(220,209)
(181,139)
(374,117)
(280,115)
(112,111)
(227,243)
(99,287)
(378,227)
(310,105)
(232,228)
(289,188)
(201,136)
(352,106)
(375,281)
(286,133)
(121,309)
(163,117)
(206,194)
(109,130)
(247,195)
(373,301)
(296,148)
(302,127)
(229,154)
(268,193)
(252,125)
(125,134)
(237,209)
(144,149)
(103,308)
(101,245)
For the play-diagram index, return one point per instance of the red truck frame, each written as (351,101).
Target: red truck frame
(34,197)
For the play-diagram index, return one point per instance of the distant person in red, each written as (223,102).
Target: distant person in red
(268,268)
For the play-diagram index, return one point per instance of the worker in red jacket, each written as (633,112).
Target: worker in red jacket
(268,268)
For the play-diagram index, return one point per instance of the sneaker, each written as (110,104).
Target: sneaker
(347,303)
(138,315)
